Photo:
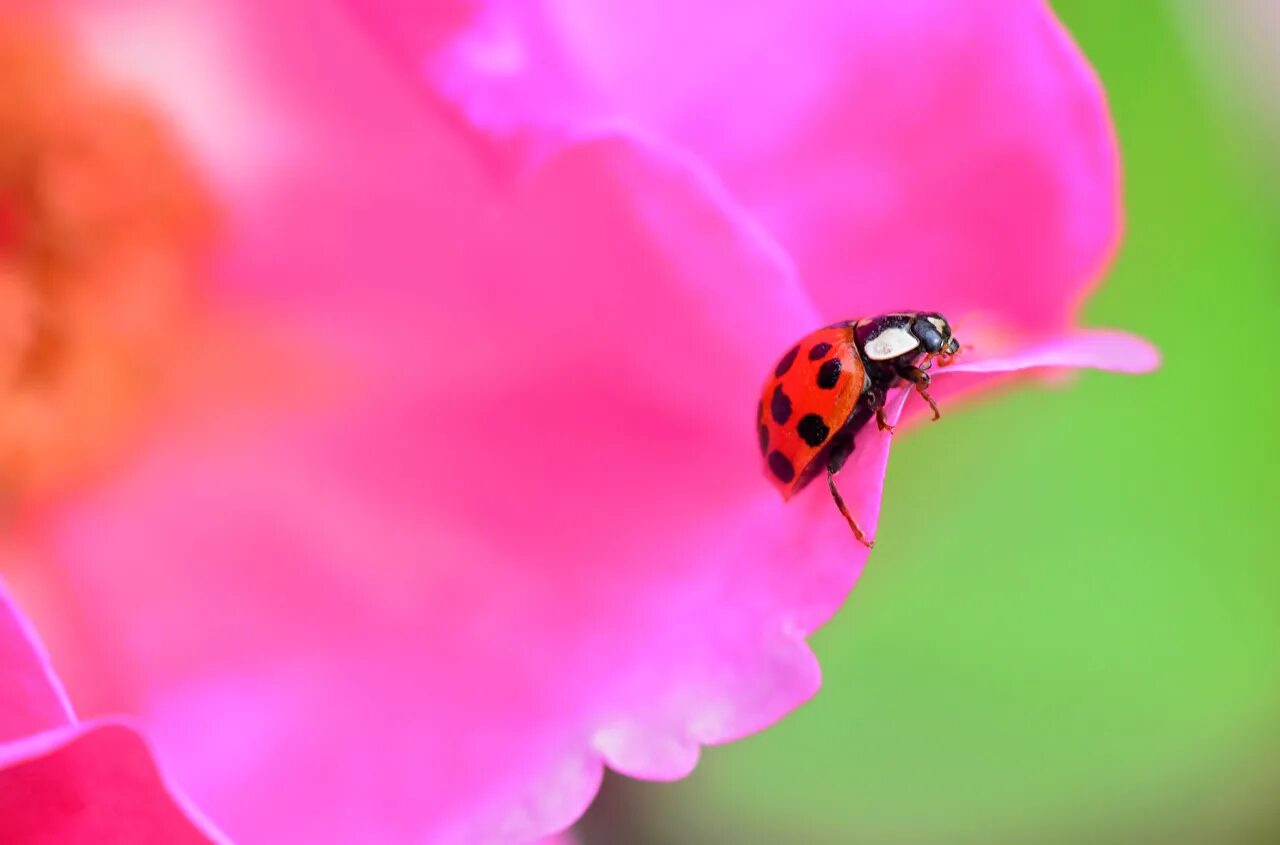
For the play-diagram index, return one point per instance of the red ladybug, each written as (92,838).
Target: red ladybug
(831,383)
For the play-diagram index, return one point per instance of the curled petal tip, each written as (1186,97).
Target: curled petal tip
(1099,349)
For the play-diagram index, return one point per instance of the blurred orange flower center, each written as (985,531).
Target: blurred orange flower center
(101,223)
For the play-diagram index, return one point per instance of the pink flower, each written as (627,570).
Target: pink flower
(473,507)
(69,782)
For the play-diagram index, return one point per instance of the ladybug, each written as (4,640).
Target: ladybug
(831,383)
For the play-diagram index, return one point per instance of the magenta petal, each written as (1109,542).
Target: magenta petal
(541,542)
(1094,349)
(31,696)
(927,154)
(1113,351)
(68,783)
(535,538)
(90,785)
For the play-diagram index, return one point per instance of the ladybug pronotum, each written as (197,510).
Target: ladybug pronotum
(831,383)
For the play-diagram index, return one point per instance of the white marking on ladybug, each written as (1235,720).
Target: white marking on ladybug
(940,325)
(890,343)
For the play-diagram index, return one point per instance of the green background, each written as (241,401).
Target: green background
(1081,642)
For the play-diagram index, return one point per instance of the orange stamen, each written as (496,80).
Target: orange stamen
(101,224)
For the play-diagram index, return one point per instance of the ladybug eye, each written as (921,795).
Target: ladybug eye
(931,331)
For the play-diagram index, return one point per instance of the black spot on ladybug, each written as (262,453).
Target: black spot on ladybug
(781,467)
(829,374)
(818,351)
(764,439)
(780,406)
(786,362)
(813,429)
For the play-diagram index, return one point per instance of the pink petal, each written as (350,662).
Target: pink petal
(31,696)
(66,783)
(90,785)
(1100,350)
(924,154)
(527,533)
(539,544)
(255,97)
(982,369)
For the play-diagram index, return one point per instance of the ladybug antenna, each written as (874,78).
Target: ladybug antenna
(945,359)
(958,327)
(835,494)
(966,319)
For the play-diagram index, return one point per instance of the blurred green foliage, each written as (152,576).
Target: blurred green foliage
(1069,630)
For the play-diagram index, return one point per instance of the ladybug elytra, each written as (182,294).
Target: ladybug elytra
(831,383)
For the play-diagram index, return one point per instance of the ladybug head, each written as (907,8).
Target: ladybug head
(934,334)
(905,338)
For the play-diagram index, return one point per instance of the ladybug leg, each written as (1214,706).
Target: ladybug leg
(875,398)
(881,422)
(835,494)
(920,379)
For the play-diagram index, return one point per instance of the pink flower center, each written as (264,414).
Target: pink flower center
(101,220)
